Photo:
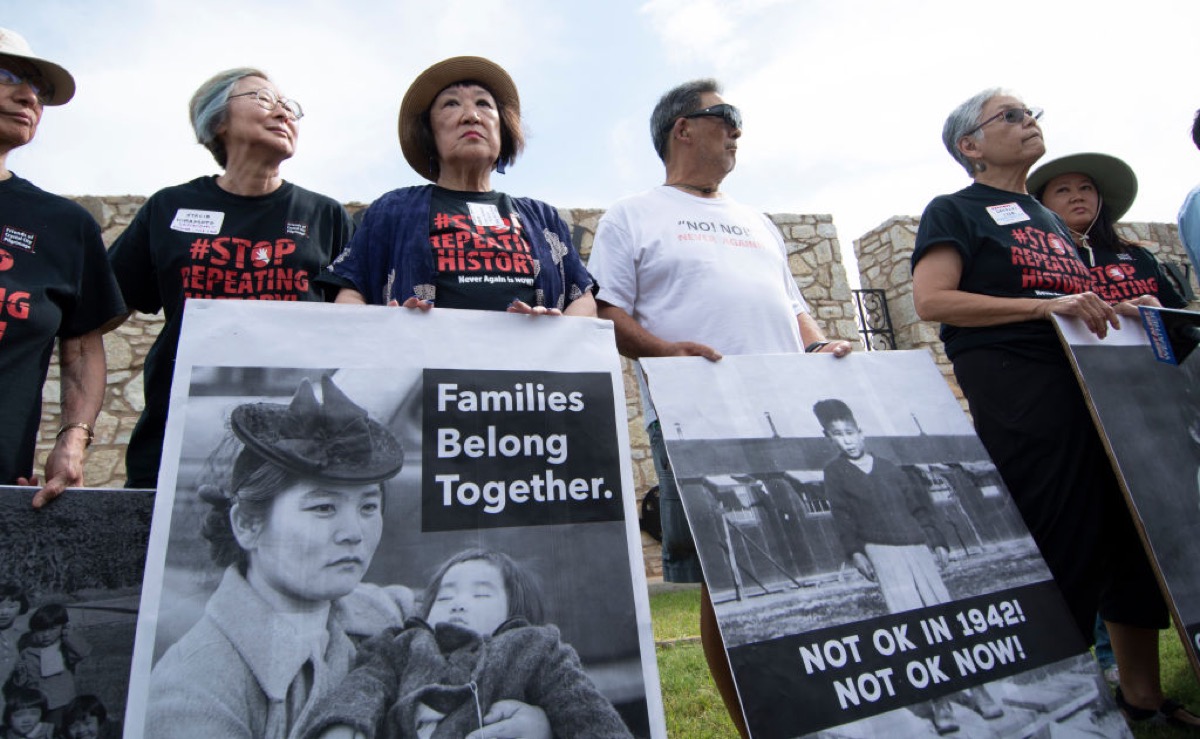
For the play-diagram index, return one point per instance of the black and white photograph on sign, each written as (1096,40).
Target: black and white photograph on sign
(429,546)
(70,583)
(1148,413)
(869,572)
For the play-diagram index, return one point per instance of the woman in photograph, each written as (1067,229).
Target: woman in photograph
(458,243)
(295,520)
(1091,192)
(245,234)
(479,651)
(993,265)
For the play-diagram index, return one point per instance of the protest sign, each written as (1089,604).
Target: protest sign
(74,565)
(510,435)
(869,572)
(1148,413)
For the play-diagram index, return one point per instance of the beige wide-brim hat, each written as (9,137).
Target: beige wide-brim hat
(1114,178)
(14,44)
(432,81)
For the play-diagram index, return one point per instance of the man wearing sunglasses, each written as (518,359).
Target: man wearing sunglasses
(55,282)
(684,270)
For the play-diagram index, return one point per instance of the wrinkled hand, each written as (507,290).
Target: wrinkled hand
(837,348)
(526,309)
(863,565)
(692,349)
(64,469)
(511,719)
(942,556)
(413,302)
(1129,308)
(1097,315)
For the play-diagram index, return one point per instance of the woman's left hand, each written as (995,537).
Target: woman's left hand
(511,719)
(1130,307)
(523,308)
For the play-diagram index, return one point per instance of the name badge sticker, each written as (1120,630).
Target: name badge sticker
(1007,213)
(192,221)
(485,214)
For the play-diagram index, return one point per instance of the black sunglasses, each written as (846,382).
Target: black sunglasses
(726,112)
(1011,116)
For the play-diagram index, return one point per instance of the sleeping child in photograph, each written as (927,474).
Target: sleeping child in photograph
(480,655)
(887,527)
(49,655)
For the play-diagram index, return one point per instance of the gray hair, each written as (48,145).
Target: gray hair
(677,102)
(962,119)
(209,105)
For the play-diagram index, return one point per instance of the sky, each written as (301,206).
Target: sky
(843,101)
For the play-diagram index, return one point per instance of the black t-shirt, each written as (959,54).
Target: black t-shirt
(197,241)
(1119,277)
(480,253)
(1011,247)
(54,282)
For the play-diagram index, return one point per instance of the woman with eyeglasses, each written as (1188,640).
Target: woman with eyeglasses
(992,264)
(55,285)
(245,234)
(458,243)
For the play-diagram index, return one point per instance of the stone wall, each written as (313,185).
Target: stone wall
(814,255)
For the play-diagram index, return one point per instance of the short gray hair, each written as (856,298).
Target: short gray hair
(677,102)
(209,105)
(962,119)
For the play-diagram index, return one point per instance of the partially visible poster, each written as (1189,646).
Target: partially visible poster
(870,574)
(70,582)
(1148,413)
(446,495)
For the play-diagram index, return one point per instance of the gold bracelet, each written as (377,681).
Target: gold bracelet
(91,435)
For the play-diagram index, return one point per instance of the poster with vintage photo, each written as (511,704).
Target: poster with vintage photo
(445,494)
(70,583)
(869,571)
(1148,413)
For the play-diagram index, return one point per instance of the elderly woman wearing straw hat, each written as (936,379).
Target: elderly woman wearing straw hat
(245,234)
(991,264)
(1091,192)
(294,514)
(54,283)
(458,243)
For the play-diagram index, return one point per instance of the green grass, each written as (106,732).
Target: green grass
(694,708)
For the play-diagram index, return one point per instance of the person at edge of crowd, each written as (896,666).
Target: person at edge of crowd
(458,243)
(57,285)
(888,530)
(481,642)
(1090,192)
(992,265)
(87,718)
(733,300)
(50,655)
(1189,213)
(244,234)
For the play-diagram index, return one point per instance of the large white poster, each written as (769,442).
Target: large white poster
(870,574)
(473,513)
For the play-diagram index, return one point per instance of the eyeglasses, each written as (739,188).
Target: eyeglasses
(726,112)
(42,89)
(268,100)
(1010,115)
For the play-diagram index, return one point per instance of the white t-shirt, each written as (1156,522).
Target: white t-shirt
(688,268)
